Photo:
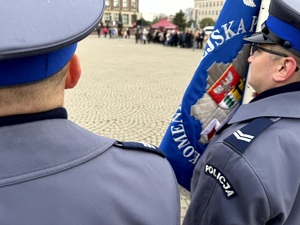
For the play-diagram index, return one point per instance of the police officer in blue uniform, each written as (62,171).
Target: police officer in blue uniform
(53,171)
(249,173)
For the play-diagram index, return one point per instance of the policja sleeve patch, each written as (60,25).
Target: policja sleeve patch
(221,180)
(139,146)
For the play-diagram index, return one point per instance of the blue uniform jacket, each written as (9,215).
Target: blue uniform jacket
(258,184)
(54,172)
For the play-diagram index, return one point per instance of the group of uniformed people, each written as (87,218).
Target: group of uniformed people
(53,171)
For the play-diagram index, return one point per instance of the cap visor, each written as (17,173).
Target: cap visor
(258,38)
(38,27)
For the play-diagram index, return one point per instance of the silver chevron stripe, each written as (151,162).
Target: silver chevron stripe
(243,137)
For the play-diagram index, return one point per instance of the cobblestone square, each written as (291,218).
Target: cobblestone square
(130,91)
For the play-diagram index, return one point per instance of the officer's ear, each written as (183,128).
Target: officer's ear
(73,72)
(286,69)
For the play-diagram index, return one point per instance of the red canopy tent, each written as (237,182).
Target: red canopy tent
(164,24)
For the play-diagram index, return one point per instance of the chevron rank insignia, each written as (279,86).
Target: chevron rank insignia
(139,146)
(243,137)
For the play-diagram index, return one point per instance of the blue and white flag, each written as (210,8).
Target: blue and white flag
(215,89)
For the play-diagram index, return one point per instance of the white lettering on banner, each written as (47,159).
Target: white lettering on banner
(180,137)
(221,179)
(176,116)
(228,32)
(216,38)
(254,23)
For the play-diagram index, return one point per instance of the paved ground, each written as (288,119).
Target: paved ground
(130,91)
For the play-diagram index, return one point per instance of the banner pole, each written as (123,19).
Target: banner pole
(249,93)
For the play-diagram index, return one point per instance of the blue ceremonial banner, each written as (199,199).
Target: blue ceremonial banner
(214,91)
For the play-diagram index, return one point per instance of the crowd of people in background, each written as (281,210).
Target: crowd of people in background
(177,38)
(112,32)
(172,37)
(167,37)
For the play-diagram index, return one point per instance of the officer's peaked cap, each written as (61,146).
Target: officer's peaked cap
(38,38)
(282,26)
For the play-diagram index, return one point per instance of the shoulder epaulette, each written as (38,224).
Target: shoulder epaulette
(139,146)
(243,137)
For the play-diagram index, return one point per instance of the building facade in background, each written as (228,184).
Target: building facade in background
(128,9)
(208,9)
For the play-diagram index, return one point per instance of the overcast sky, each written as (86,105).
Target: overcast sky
(165,6)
